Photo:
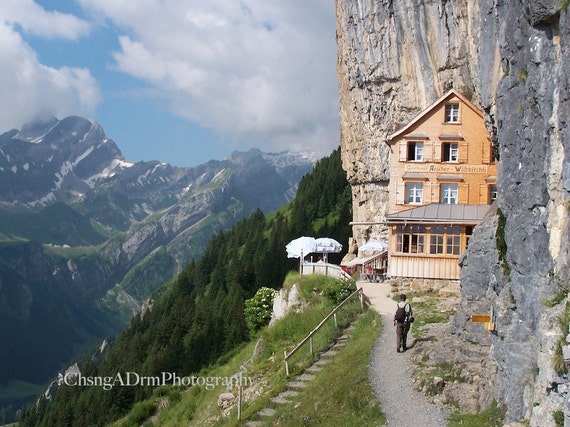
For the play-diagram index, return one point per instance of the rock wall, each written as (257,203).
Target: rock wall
(511,59)
(394,60)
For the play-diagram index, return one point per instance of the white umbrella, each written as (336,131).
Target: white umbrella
(300,247)
(374,246)
(327,245)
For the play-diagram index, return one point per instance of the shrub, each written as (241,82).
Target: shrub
(502,244)
(258,309)
(339,290)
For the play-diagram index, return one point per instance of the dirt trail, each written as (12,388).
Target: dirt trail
(390,372)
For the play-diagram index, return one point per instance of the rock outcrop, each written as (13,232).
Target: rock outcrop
(511,59)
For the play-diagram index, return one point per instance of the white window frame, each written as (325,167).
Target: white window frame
(417,155)
(414,193)
(452,151)
(452,113)
(449,194)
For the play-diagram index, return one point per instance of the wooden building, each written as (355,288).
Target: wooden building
(442,181)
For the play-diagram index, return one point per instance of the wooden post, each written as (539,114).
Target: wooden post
(239,403)
(286,364)
(311,345)
(335,321)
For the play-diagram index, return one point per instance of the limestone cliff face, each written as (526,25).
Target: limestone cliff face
(511,59)
(395,59)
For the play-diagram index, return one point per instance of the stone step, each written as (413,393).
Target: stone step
(451,290)
(283,398)
(321,362)
(305,377)
(266,412)
(289,393)
(297,384)
(280,400)
(329,353)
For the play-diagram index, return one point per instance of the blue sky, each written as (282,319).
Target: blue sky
(180,81)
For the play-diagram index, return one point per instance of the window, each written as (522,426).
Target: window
(453,240)
(415,151)
(410,239)
(450,152)
(414,193)
(436,239)
(468,234)
(445,240)
(449,194)
(492,193)
(452,113)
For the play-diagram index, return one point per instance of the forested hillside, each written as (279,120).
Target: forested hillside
(198,317)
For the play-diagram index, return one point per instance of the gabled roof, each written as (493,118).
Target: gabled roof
(429,109)
(441,213)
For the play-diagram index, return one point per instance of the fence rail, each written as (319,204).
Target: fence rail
(309,338)
(324,268)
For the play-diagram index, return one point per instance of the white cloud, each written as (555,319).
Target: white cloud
(31,89)
(255,71)
(33,19)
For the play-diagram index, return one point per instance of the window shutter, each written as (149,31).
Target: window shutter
(400,193)
(486,155)
(463,190)
(428,151)
(436,152)
(436,193)
(403,147)
(483,191)
(462,152)
(429,190)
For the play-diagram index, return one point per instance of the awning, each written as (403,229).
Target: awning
(440,213)
(363,260)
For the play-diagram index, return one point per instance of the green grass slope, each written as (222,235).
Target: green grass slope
(339,395)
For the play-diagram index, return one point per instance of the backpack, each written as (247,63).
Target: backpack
(401,313)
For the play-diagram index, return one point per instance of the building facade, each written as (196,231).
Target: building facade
(442,180)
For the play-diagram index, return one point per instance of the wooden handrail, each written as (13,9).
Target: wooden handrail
(359,292)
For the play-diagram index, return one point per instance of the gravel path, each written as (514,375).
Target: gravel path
(390,372)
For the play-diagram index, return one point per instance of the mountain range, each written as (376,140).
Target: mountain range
(86,236)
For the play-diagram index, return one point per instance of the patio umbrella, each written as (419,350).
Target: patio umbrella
(327,245)
(300,247)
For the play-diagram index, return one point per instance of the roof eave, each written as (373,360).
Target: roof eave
(431,107)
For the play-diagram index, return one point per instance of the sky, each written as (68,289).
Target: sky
(179,81)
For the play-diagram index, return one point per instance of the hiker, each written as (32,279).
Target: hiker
(402,319)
